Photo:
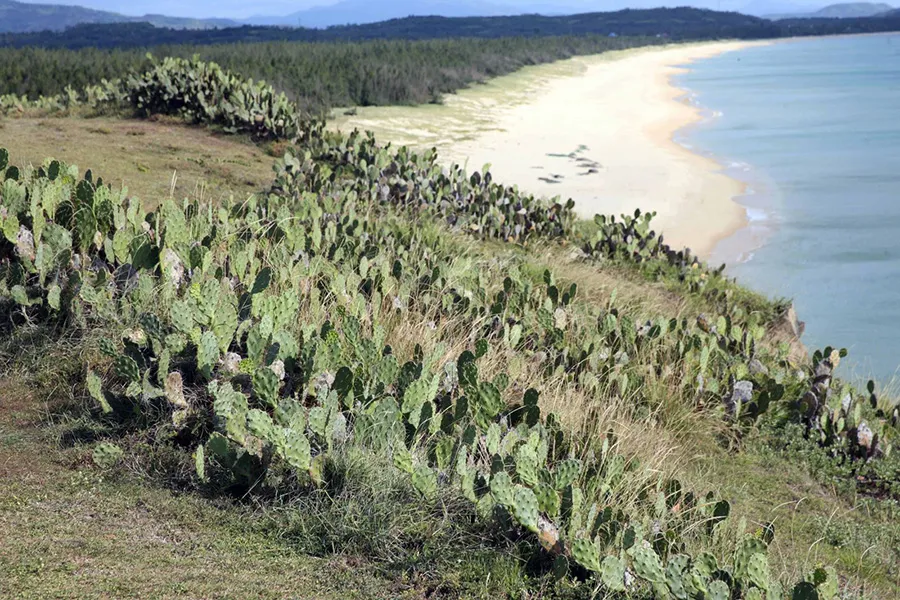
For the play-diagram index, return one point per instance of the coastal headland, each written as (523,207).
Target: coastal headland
(596,129)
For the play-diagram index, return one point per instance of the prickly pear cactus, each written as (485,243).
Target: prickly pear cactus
(425,481)
(106,455)
(586,554)
(525,508)
(612,573)
(647,565)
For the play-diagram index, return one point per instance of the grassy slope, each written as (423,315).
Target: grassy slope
(65,531)
(146,155)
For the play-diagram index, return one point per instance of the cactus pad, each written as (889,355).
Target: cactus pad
(647,565)
(586,554)
(106,455)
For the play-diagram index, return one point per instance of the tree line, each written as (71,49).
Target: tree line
(317,76)
(402,61)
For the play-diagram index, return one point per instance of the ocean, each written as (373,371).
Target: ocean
(813,127)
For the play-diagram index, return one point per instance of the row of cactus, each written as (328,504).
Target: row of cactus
(852,426)
(356,167)
(474,204)
(595,351)
(259,328)
(631,239)
(205,93)
(199,92)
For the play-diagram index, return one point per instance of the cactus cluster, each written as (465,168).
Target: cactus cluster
(259,330)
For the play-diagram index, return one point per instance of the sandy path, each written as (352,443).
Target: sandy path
(595,129)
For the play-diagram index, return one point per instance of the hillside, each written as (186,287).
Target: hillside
(381,377)
(849,10)
(21,17)
(676,23)
(361,11)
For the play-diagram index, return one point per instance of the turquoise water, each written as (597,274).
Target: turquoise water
(813,126)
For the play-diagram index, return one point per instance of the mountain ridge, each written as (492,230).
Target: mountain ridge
(845,10)
(21,17)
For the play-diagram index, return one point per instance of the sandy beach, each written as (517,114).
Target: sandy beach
(596,129)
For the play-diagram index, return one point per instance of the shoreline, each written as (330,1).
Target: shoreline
(600,130)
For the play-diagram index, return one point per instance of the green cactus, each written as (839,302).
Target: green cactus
(200,463)
(647,565)
(565,473)
(266,386)
(718,590)
(492,438)
(296,452)
(127,368)
(754,594)
(678,576)
(403,459)
(182,316)
(425,481)
(527,465)
(525,508)
(758,571)
(260,425)
(612,573)
(747,549)
(706,564)
(95,388)
(502,489)
(586,554)
(207,353)
(548,500)
(230,409)
(387,370)
(106,455)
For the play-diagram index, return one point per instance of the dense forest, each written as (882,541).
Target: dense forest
(402,61)
(317,76)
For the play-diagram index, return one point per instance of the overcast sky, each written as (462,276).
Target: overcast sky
(245,8)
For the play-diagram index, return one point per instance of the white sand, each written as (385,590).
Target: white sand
(614,114)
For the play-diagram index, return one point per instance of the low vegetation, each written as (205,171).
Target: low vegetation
(427,368)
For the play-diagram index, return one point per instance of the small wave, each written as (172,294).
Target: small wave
(738,165)
(756,215)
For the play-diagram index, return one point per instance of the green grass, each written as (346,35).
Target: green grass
(154,158)
(69,530)
(814,522)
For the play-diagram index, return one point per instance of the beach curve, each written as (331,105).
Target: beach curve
(598,129)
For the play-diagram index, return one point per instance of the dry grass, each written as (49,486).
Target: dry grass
(151,158)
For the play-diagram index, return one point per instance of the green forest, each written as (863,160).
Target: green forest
(317,76)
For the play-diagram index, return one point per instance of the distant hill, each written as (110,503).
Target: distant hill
(673,23)
(891,13)
(850,10)
(20,17)
(352,12)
